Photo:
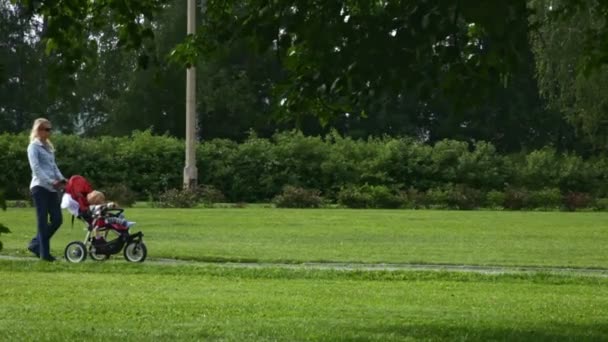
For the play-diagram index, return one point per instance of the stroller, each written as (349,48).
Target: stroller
(104,236)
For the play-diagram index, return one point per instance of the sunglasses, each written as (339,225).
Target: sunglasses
(46,129)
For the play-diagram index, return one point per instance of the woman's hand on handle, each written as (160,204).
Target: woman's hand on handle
(59,183)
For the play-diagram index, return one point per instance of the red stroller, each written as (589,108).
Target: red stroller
(104,236)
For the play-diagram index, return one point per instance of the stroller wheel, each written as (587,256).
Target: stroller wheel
(75,251)
(97,257)
(136,251)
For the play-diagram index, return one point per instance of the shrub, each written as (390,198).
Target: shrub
(455,197)
(601,204)
(354,197)
(120,194)
(516,198)
(495,199)
(547,198)
(174,198)
(383,197)
(465,198)
(540,169)
(412,199)
(255,166)
(294,197)
(576,200)
(342,168)
(258,169)
(215,167)
(437,198)
(208,195)
(369,196)
(301,159)
(19,204)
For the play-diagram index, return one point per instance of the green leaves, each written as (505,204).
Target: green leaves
(572,64)
(72,28)
(398,46)
(186,53)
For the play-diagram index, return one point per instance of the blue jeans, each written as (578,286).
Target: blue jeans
(47,207)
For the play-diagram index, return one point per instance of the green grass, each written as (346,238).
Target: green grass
(392,236)
(115,300)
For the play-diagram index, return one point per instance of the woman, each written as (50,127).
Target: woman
(46,180)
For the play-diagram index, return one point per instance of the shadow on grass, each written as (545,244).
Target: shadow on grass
(437,332)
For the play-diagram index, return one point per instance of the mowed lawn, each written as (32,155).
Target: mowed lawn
(369,236)
(145,302)
(116,300)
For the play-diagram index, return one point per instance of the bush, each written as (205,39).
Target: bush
(383,197)
(413,199)
(301,159)
(437,198)
(548,198)
(576,200)
(495,199)
(19,204)
(255,168)
(208,195)
(353,197)
(540,169)
(174,198)
(516,198)
(294,197)
(465,198)
(601,204)
(120,194)
(455,197)
(258,169)
(369,196)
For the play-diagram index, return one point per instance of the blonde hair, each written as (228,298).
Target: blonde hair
(96,197)
(36,128)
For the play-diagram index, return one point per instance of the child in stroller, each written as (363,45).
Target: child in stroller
(103,221)
(105,216)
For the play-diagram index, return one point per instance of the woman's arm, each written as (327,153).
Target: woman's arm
(32,156)
(58,173)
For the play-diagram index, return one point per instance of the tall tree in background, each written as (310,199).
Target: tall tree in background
(431,69)
(151,98)
(343,55)
(74,102)
(233,88)
(23,93)
(561,48)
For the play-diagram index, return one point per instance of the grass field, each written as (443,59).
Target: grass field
(113,301)
(398,236)
(116,300)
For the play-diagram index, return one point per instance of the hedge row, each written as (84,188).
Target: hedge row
(258,169)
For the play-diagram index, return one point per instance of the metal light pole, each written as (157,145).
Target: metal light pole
(190,171)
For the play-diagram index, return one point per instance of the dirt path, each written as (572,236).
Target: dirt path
(402,267)
(375,267)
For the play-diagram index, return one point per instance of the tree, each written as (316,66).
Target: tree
(28,93)
(431,68)
(20,92)
(561,48)
(342,56)
(72,27)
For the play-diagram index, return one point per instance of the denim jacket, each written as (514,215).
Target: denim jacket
(42,163)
